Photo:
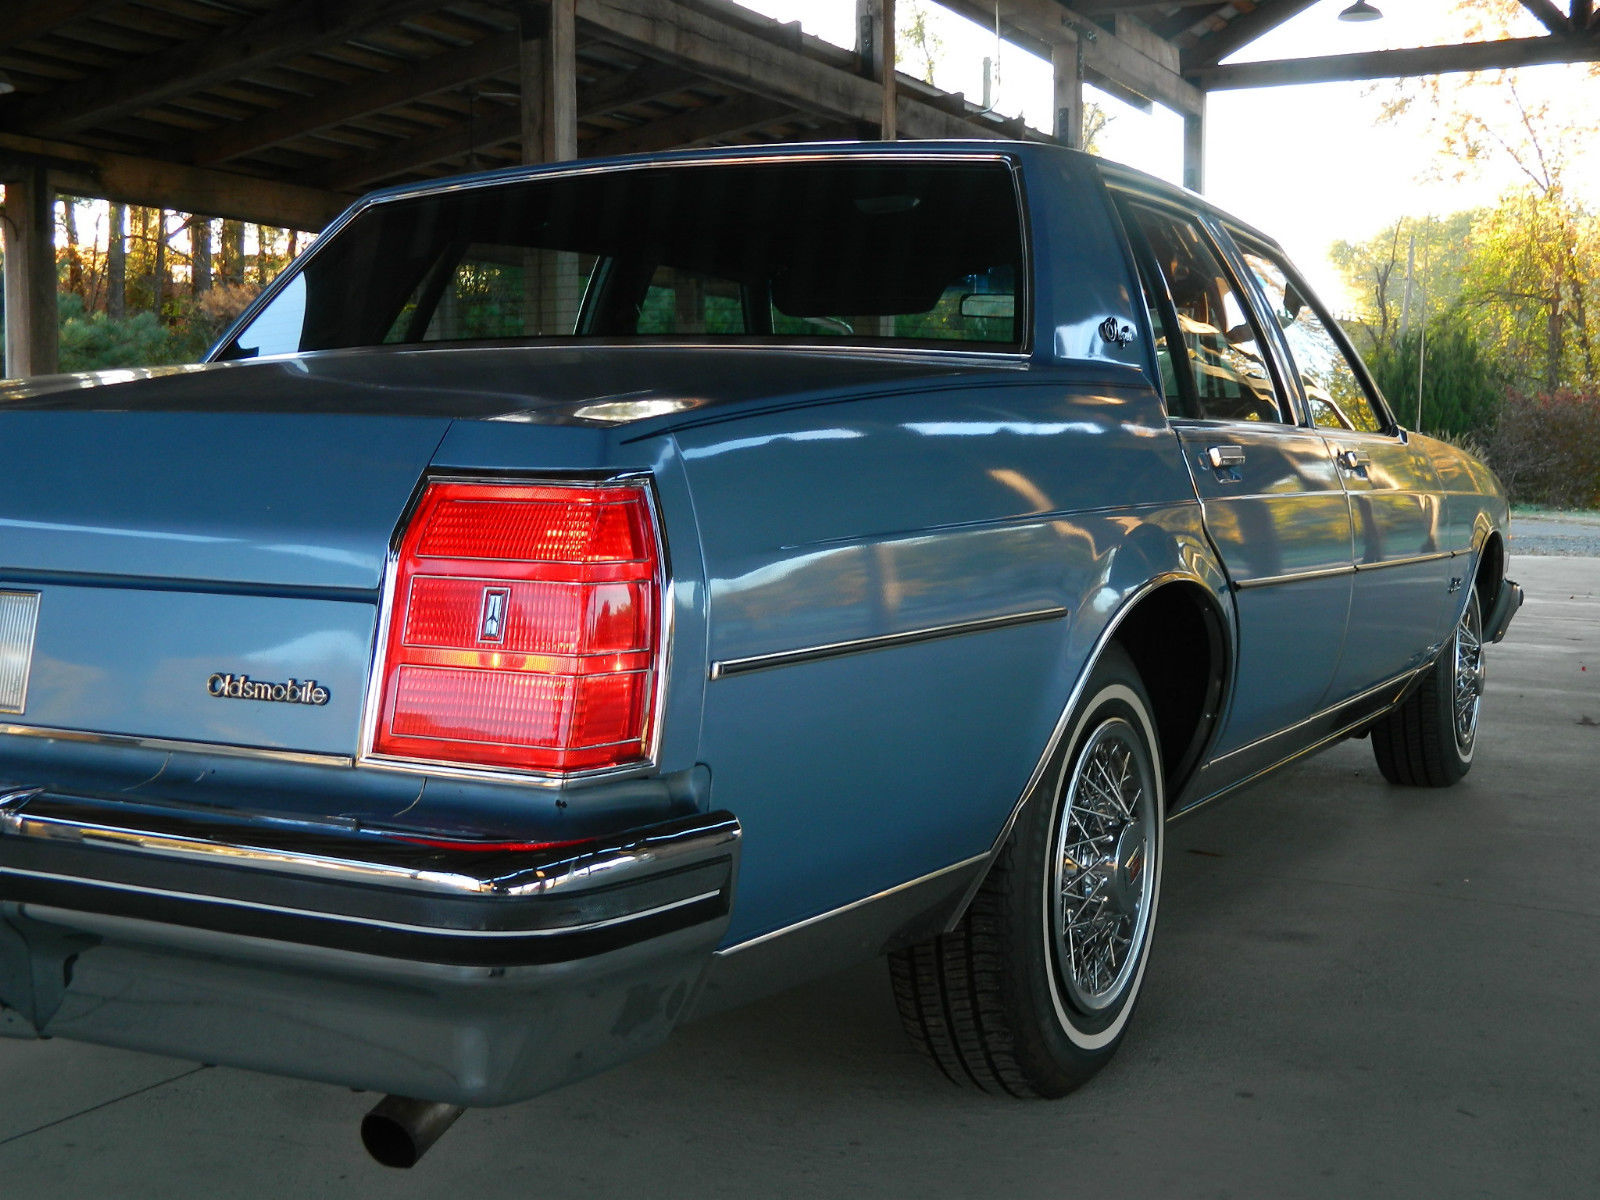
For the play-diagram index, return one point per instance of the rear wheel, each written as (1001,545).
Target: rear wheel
(1030,994)
(1428,740)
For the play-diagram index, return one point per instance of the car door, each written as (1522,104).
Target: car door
(1274,506)
(1403,579)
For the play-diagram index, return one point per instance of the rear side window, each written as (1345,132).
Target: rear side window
(1215,339)
(855,250)
(1334,392)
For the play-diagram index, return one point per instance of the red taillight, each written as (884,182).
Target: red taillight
(524,631)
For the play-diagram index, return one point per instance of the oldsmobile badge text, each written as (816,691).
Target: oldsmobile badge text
(242,687)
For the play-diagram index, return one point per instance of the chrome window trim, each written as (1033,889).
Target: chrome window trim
(368,758)
(178,745)
(1021,352)
(783,658)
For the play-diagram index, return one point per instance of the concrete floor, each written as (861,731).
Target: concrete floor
(1356,990)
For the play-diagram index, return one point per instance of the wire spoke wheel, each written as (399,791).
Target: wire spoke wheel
(1101,881)
(1469,677)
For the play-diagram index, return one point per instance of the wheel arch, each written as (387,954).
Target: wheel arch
(1490,570)
(1178,639)
(1192,702)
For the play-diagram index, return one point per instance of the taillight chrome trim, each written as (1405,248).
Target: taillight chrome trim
(372,705)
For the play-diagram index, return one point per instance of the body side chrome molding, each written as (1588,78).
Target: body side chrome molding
(177,745)
(784,658)
(1320,714)
(1350,569)
(1262,581)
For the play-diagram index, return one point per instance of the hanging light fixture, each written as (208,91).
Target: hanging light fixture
(6,86)
(1360,11)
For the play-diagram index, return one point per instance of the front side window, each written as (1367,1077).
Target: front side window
(1218,336)
(1334,393)
(864,250)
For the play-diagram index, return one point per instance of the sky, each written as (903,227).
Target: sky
(1308,164)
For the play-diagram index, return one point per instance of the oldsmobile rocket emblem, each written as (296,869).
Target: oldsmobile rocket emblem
(492,626)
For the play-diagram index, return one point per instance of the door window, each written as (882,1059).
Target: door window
(1334,391)
(1220,342)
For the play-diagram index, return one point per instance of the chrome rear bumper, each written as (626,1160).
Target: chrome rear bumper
(457,971)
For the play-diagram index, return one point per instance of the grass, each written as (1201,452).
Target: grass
(1583,516)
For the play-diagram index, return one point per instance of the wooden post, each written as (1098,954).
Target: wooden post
(549,89)
(1194,149)
(1066,58)
(32,342)
(875,43)
(549,73)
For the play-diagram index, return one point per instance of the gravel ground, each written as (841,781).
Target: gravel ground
(1570,535)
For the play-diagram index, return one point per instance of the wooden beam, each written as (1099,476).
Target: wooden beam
(1241,31)
(727,119)
(277,34)
(155,184)
(1106,8)
(1107,59)
(720,50)
(494,55)
(24,20)
(1388,64)
(28,233)
(1551,17)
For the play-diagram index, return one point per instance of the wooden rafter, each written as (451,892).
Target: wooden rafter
(726,119)
(22,21)
(491,56)
(1388,64)
(1110,61)
(724,52)
(273,36)
(1241,31)
(500,124)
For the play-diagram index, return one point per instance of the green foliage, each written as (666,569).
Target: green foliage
(93,341)
(1461,388)
(1546,448)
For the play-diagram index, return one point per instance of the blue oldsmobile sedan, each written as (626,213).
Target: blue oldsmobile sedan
(573,600)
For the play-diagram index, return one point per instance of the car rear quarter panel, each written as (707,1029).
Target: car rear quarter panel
(1047,493)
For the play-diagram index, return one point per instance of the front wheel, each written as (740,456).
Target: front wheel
(1030,994)
(1429,739)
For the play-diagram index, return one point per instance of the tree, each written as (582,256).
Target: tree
(1461,388)
(1433,249)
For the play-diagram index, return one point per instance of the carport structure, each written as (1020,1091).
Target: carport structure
(280,111)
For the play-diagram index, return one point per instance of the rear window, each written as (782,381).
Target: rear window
(868,251)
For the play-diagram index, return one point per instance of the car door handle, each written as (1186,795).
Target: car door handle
(1354,460)
(1220,458)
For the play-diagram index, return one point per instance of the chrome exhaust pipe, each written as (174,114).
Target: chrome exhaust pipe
(399,1130)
